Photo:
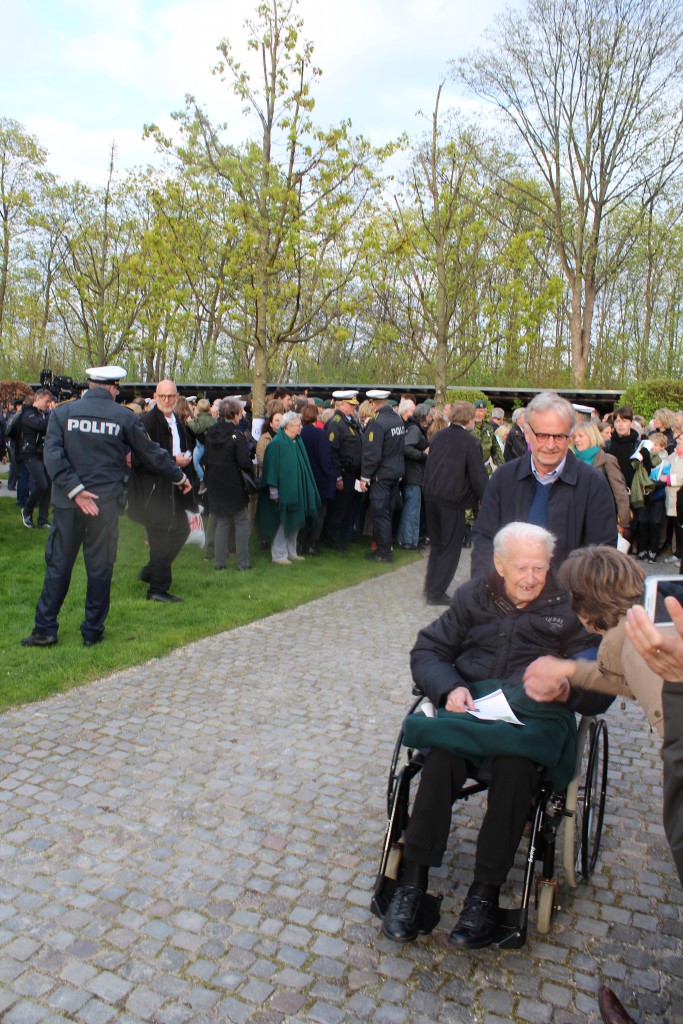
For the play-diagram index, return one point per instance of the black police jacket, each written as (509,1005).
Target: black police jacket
(384,446)
(33,430)
(345,439)
(86,445)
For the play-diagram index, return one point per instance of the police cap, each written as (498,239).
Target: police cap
(378,394)
(346,396)
(105,374)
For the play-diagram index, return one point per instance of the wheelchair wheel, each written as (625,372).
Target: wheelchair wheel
(400,758)
(586,796)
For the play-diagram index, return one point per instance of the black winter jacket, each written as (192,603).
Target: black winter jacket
(455,474)
(226,453)
(383,447)
(580,509)
(416,441)
(482,635)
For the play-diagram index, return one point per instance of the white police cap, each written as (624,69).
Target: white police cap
(105,374)
(378,394)
(344,396)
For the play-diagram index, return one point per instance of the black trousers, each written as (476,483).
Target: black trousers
(99,536)
(383,498)
(514,781)
(339,511)
(165,543)
(41,490)
(446,530)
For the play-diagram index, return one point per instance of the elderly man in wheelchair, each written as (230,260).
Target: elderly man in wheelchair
(491,631)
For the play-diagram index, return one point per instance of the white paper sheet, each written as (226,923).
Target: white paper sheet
(495,708)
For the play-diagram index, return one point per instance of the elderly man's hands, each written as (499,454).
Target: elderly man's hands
(663,653)
(460,700)
(547,679)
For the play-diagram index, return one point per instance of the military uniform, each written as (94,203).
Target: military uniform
(344,435)
(382,467)
(85,451)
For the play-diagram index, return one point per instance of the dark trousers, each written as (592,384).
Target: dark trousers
(339,511)
(446,530)
(40,492)
(165,542)
(514,781)
(310,534)
(98,535)
(383,498)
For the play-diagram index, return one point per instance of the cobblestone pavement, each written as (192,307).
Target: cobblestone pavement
(197,840)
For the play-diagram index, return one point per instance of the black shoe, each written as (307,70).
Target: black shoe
(220,568)
(43,526)
(166,597)
(244,568)
(91,641)
(313,551)
(438,599)
(39,640)
(27,520)
(477,925)
(652,557)
(407,547)
(401,921)
(642,555)
(374,556)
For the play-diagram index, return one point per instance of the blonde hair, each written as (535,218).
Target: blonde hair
(592,433)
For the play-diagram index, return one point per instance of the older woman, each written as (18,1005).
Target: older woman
(589,445)
(492,630)
(226,455)
(288,495)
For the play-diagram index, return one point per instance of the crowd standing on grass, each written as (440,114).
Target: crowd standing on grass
(309,476)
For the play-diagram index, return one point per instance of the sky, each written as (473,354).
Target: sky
(83,74)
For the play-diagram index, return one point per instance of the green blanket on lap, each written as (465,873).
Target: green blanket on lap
(548,735)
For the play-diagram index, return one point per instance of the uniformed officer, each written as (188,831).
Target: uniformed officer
(344,435)
(484,431)
(85,455)
(382,467)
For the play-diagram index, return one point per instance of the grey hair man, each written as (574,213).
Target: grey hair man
(547,486)
(515,443)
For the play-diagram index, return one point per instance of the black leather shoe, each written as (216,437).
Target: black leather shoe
(39,640)
(166,598)
(477,925)
(374,556)
(401,921)
(611,1010)
(438,599)
(91,641)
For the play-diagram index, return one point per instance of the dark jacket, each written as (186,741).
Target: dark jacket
(86,446)
(226,454)
(580,509)
(383,457)
(320,457)
(345,437)
(415,442)
(33,430)
(672,756)
(622,448)
(482,635)
(455,474)
(151,499)
(515,443)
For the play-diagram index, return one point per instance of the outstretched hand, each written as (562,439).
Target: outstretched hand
(662,652)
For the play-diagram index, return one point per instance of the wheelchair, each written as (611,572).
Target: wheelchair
(577,814)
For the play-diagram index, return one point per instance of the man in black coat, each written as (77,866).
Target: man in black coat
(156,502)
(34,423)
(345,437)
(455,479)
(549,487)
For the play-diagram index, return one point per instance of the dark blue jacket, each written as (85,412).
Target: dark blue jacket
(319,454)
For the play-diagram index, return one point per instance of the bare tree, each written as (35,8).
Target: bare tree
(593,90)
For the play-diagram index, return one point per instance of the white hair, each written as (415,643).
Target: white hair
(525,533)
(289,417)
(517,413)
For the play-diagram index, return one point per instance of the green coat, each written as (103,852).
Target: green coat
(547,737)
(286,467)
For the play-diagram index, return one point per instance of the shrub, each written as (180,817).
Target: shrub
(647,395)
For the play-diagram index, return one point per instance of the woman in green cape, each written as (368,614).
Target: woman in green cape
(288,495)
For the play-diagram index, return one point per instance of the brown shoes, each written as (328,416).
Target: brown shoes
(611,1010)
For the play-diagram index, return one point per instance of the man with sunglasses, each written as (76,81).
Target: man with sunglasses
(86,447)
(549,487)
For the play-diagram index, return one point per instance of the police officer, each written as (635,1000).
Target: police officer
(382,467)
(85,455)
(344,435)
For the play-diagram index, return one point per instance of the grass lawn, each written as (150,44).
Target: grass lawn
(137,629)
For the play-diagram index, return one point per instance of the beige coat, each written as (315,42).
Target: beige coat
(621,671)
(609,467)
(676,482)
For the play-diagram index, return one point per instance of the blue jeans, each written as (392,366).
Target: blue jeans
(409,529)
(196,456)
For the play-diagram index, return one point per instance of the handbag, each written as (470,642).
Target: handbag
(250,482)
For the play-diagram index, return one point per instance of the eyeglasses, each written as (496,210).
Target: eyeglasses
(175,395)
(543,438)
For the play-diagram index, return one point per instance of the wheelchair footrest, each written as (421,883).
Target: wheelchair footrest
(430,912)
(512,931)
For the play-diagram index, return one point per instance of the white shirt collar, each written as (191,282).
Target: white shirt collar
(550,477)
